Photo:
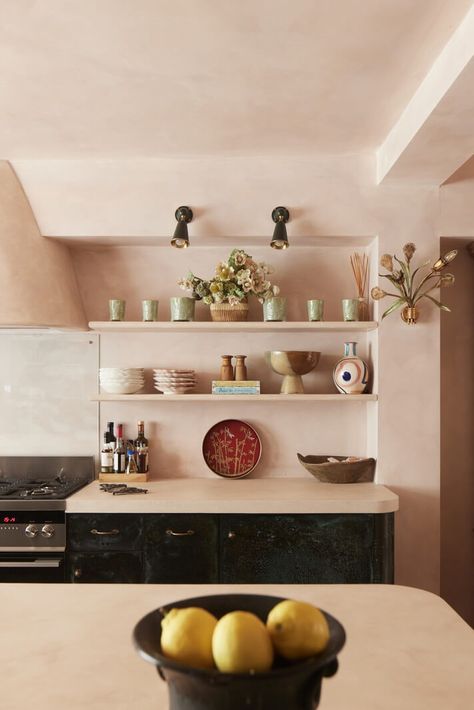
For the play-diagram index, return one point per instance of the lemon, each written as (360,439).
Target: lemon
(298,629)
(241,644)
(186,636)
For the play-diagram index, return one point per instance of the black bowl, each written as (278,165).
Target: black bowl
(287,686)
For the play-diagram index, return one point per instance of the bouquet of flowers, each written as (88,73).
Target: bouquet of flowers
(234,280)
(410,291)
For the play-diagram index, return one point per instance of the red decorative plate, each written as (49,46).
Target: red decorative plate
(231,448)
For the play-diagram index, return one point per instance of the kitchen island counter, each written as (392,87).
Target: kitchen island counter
(66,646)
(253,495)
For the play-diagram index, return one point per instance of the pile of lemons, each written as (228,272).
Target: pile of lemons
(240,642)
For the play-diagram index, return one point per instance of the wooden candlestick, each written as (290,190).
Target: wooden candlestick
(227,371)
(240,368)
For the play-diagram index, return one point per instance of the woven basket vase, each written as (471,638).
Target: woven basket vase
(228,312)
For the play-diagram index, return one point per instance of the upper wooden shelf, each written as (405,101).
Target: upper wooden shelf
(233,327)
(201,241)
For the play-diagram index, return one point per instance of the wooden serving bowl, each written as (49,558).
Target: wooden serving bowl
(325,471)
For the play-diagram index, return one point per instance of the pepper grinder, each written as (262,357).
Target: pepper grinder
(227,371)
(240,368)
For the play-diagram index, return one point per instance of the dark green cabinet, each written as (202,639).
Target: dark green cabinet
(181,549)
(248,548)
(304,549)
(104,548)
(111,567)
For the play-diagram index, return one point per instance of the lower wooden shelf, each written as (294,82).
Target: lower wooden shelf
(234,397)
(123,477)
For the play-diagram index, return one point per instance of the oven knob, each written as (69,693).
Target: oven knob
(31,530)
(47,530)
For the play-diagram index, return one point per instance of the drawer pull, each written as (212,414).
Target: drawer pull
(231,534)
(94,531)
(174,533)
(78,572)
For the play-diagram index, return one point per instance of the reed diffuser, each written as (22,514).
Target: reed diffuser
(360,269)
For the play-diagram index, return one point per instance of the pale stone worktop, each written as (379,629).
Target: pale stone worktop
(70,646)
(258,495)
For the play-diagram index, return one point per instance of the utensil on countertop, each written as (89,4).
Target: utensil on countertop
(121,489)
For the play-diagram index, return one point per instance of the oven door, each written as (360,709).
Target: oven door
(31,567)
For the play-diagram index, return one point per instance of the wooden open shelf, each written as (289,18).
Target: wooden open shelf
(233,327)
(189,398)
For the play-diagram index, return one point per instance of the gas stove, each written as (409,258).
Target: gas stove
(42,482)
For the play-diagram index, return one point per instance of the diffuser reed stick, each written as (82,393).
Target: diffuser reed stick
(360,269)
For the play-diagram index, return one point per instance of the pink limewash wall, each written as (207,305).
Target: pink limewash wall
(235,197)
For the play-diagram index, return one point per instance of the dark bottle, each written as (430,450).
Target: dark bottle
(120,454)
(106,456)
(141,449)
(111,435)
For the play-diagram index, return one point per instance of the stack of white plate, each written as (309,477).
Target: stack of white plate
(174,381)
(121,380)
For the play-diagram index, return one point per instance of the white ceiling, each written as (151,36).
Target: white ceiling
(147,78)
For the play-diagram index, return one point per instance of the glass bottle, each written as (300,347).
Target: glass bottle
(119,452)
(131,458)
(111,435)
(141,449)
(106,456)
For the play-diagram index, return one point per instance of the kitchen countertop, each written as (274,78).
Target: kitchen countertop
(254,495)
(69,646)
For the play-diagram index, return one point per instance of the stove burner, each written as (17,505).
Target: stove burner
(58,487)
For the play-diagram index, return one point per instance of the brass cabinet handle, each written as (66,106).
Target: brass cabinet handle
(94,531)
(77,572)
(231,534)
(175,533)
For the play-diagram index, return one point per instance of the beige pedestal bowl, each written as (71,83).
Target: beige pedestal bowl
(292,364)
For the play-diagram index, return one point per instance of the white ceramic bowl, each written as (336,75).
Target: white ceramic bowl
(102,378)
(120,389)
(171,380)
(122,370)
(165,371)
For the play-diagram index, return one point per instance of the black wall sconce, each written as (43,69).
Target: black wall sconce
(180,238)
(280,216)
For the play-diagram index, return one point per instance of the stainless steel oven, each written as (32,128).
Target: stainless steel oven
(32,545)
(33,492)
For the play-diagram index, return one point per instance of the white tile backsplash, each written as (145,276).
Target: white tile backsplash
(45,384)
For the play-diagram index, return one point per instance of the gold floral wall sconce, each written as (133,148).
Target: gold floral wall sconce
(411,289)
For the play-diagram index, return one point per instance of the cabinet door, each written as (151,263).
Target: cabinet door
(181,548)
(102,532)
(121,567)
(298,549)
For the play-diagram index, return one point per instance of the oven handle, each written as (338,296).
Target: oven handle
(32,563)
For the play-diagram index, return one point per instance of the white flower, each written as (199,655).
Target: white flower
(185,284)
(247,285)
(276,290)
(243,275)
(233,300)
(208,300)
(240,258)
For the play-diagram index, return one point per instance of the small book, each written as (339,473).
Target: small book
(236,383)
(236,390)
(235,387)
